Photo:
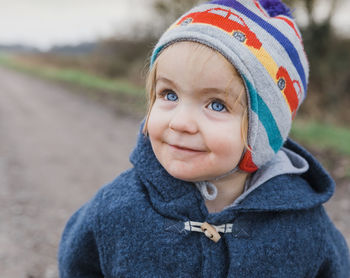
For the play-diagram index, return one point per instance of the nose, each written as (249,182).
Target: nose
(184,119)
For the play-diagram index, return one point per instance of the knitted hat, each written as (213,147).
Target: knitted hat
(263,43)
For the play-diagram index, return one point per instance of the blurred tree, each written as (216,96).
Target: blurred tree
(328,57)
(317,33)
(170,10)
(173,9)
(310,6)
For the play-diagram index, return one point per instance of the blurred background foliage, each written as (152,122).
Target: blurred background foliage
(329,57)
(127,57)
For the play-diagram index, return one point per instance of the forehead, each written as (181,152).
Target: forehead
(196,65)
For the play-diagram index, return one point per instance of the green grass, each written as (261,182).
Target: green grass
(75,76)
(322,136)
(4,58)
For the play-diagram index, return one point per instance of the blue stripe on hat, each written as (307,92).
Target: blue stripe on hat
(265,116)
(155,55)
(282,39)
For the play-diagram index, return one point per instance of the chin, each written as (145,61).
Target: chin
(190,174)
(182,175)
(189,177)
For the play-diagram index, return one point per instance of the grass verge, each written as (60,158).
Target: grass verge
(120,94)
(323,136)
(75,76)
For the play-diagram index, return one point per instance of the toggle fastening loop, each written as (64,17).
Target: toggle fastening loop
(210,232)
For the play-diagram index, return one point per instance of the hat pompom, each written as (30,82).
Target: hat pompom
(276,7)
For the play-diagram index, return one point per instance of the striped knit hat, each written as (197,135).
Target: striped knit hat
(263,43)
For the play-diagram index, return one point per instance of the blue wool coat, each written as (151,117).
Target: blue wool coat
(134,227)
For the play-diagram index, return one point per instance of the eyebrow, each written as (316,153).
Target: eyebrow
(208,90)
(166,80)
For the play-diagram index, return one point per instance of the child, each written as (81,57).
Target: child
(216,188)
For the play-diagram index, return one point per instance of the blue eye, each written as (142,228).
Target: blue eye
(217,106)
(171,96)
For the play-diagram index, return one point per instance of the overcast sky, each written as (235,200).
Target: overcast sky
(42,23)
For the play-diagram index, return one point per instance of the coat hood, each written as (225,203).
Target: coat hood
(181,199)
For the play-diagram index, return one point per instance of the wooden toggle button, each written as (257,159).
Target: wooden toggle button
(210,232)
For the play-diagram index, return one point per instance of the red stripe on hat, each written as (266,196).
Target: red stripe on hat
(289,90)
(291,24)
(226,20)
(257,4)
(247,163)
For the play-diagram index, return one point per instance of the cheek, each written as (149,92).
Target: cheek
(156,123)
(226,142)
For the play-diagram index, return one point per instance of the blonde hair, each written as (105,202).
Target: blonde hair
(151,95)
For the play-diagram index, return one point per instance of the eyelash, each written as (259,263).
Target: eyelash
(220,102)
(165,93)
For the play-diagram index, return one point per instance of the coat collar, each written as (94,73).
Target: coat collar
(171,197)
(151,171)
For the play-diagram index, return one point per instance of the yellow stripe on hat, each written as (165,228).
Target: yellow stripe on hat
(269,64)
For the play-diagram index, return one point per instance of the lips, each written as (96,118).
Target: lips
(184,148)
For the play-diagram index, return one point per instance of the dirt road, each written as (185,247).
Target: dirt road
(56,149)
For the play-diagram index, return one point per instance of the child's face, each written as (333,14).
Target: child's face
(195,122)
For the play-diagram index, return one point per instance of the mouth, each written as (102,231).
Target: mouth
(183,148)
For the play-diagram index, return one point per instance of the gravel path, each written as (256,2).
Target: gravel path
(56,149)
